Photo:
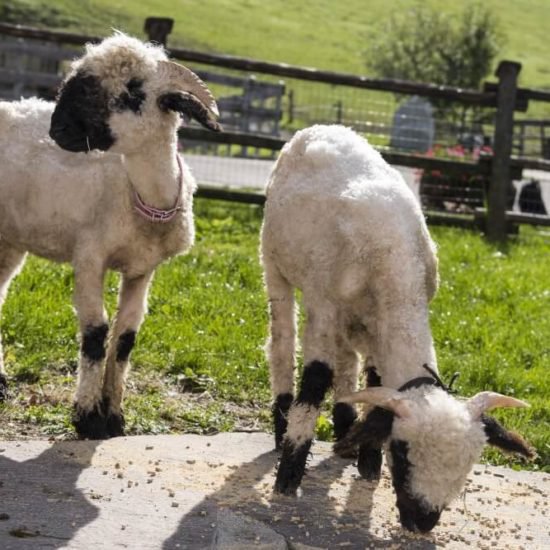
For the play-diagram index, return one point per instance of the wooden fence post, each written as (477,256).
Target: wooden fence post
(158,29)
(507,73)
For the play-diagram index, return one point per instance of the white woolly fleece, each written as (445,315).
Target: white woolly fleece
(79,207)
(343,226)
(118,58)
(444,442)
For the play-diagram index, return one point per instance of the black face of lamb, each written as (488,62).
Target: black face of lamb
(80,120)
(316,381)
(412,513)
(188,105)
(280,411)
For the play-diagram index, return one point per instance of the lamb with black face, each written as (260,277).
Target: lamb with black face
(128,210)
(431,440)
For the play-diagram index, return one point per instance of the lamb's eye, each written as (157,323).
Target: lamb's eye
(132,99)
(134,86)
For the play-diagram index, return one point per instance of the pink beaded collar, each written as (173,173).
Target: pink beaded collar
(157,215)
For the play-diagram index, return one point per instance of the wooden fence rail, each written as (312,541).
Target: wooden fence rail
(503,95)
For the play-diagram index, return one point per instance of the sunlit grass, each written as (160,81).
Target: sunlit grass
(199,363)
(324,34)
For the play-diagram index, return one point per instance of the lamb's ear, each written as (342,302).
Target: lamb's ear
(505,440)
(187,104)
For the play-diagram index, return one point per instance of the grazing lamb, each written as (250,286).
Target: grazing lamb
(107,191)
(343,227)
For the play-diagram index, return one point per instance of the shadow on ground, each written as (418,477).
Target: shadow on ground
(40,504)
(320,517)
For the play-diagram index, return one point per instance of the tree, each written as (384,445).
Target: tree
(426,45)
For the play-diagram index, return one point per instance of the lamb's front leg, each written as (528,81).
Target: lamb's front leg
(88,415)
(131,309)
(302,417)
(280,346)
(317,379)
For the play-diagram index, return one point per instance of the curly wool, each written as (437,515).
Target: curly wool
(118,59)
(64,202)
(444,442)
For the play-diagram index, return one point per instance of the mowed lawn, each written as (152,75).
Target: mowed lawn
(323,33)
(199,364)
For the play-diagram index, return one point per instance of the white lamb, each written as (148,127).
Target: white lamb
(108,191)
(343,227)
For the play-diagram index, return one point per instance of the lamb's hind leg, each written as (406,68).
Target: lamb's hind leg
(131,309)
(10,260)
(281,347)
(88,415)
(317,378)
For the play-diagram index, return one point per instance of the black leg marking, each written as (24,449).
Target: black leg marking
(125,344)
(280,411)
(343,416)
(3,388)
(93,342)
(89,424)
(316,380)
(292,467)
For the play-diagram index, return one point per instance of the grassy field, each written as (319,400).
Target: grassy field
(325,33)
(199,363)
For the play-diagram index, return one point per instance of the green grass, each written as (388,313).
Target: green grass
(199,363)
(325,33)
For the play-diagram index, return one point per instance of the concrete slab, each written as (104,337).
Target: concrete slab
(166,492)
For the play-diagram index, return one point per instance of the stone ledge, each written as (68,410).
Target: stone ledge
(167,492)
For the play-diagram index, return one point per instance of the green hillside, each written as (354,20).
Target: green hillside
(327,34)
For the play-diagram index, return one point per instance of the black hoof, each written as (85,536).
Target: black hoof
(369,463)
(283,488)
(90,424)
(115,425)
(280,411)
(3,388)
(291,468)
